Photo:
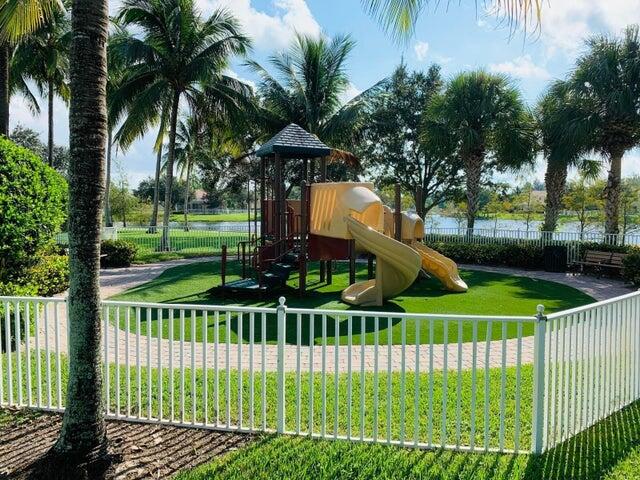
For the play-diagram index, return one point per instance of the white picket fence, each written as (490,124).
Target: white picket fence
(471,383)
(572,240)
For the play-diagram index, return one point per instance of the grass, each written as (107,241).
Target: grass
(236,406)
(212,217)
(610,450)
(489,294)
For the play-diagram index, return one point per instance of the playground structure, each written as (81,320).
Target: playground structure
(331,221)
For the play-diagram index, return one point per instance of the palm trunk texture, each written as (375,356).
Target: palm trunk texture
(83,429)
(612,193)
(166,246)
(555,179)
(473,173)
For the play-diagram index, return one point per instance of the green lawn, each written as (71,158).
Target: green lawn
(207,242)
(489,293)
(608,451)
(212,218)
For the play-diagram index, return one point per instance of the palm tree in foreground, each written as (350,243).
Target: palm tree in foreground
(606,82)
(17,18)
(42,57)
(481,118)
(400,16)
(83,430)
(175,53)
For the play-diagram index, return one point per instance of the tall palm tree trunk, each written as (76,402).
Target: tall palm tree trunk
(156,192)
(612,192)
(108,221)
(473,173)
(166,215)
(83,427)
(186,196)
(555,180)
(4,89)
(50,123)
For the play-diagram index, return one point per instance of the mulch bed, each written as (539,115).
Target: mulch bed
(140,450)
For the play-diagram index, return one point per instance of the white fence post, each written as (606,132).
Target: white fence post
(282,324)
(537,431)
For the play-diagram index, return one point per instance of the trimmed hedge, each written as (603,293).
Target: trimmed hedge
(527,255)
(119,253)
(631,271)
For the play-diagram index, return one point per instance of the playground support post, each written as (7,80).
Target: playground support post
(223,264)
(397,214)
(304,211)
(352,262)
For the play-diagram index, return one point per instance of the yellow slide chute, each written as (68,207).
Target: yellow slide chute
(352,211)
(397,266)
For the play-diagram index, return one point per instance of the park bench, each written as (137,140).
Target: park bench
(602,261)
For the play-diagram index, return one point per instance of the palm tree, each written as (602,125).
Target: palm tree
(606,82)
(561,146)
(174,54)
(481,118)
(400,16)
(17,18)
(189,139)
(83,429)
(310,79)
(42,56)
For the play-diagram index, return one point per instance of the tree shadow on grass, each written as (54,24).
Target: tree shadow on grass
(590,454)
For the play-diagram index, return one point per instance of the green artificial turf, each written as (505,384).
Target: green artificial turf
(489,294)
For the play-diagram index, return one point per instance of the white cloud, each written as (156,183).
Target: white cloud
(421,49)
(232,74)
(269,31)
(522,67)
(351,92)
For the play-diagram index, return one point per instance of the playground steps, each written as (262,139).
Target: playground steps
(274,279)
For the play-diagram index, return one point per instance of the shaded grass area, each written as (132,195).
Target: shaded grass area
(419,408)
(609,450)
(489,294)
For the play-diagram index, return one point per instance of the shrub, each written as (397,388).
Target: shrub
(631,272)
(526,255)
(32,207)
(119,253)
(50,275)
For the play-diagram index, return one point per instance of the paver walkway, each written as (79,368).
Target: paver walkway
(160,352)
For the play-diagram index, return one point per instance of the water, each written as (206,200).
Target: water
(432,221)
(441,221)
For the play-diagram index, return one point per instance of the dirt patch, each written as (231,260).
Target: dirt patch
(141,450)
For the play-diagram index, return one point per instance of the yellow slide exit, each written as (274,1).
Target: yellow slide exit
(441,267)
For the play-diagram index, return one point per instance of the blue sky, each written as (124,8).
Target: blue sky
(459,37)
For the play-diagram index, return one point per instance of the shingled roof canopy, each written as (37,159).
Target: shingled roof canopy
(294,142)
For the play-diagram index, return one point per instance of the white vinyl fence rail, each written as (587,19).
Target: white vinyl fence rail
(472,383)
(572,240)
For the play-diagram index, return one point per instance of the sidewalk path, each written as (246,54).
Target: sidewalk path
(159,351)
